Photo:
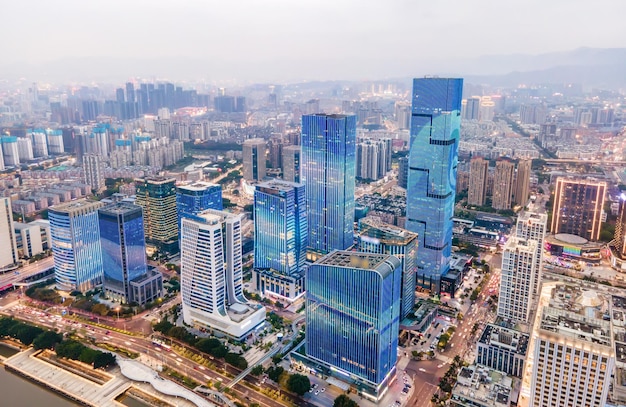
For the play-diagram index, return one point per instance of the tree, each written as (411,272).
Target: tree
(26,333)
(299,384)
(257,370)
(104,360)
(100,309)
(47,340)
(236,360)
(274,373)
(344,401)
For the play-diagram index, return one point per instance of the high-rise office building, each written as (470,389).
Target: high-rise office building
(618,244)
(280,239)
(126,277)
(403,172)
(371,159)
(75,235)
(93,167)
(198,196)
(503,185)
(572,345)
(254,157)
(433,158)
(375,236)
(517,280)
(291,163)
(328,170)
(157,197)
(578,206)
(533,226)
(477,191)
(522,182)
(8,245)
(212,275)
(352,313)
(471,108)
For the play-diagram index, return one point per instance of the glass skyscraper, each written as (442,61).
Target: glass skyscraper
(375,236)
(280,238)
(433,158)
(75,237)
(328,166)
(352,314)
(123,248)
(157,197)
(193,198)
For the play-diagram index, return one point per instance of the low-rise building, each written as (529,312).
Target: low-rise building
(481,386)
(502,349)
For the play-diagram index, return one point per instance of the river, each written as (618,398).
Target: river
(19,392)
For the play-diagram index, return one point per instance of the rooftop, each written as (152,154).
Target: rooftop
(505,338)
(120,208)
(198,186)
(363,261)
(483,386)
(374,227)
(77,205)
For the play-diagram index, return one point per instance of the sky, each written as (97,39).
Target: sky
(318,39)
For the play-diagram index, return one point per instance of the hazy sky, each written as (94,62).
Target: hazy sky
(333,36)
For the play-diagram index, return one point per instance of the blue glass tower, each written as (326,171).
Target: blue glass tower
(196,197)
(352,314)
(123,248)
(328,166)
(75,237)
(433,158)
(280,238)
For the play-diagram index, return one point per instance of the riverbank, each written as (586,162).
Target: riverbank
(79,389)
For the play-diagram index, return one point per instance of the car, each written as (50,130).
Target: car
(107,332)
(311,390)
(315,385)
(408,386)
(317,392)
(323,389)
(439,366)
(421,369)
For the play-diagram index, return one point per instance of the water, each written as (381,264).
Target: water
(7,351)
(131,402)
(19,392)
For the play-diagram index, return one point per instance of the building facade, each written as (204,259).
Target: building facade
(503,349)
(578,207)
(195,197)
(254,156)
(328,170)
(8,245)
(433,159)
(503,185)
(517,279)
(75,236)
(280,239)
(124,255)
(477,191)
(376,236)
(93,167)
(291,163)
(522,182)
(352,313)
(212,276)
(533,226)
(157,198)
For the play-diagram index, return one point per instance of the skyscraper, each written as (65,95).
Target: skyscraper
(533,226)
(371,159)
(522,183)
(10,152)
(572,345)
(517,280)
(375,236)
(291,163)
(8,245)
(578,207)
(126,277)
(254,157)
(477,191)
(212,275)
(195,197)
(157,197)
(618,244)
(471,109)
(93,167)
(503,185)
(328,171)
(433,158)
(75,235)
(280,239)
(403,171)
(352,313)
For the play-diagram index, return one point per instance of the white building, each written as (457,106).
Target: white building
(516,282)
(532,226)
(10,152)
(93,167)
(8,245)
(574,353)
(28,239)
(254,156)
(212,275)
(25,149)
(55,142)
(40,144)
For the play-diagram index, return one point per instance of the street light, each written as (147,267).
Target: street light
(118,313)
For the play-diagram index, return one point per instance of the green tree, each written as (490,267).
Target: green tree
(344,401)
(47,340)
(104,360)
(26,333)
(298,384)
(100,309)
(236,360)
(275,372)
(257,370)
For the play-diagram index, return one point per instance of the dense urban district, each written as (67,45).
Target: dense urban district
(434,243)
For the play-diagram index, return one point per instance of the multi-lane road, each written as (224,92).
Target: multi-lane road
(14,276)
